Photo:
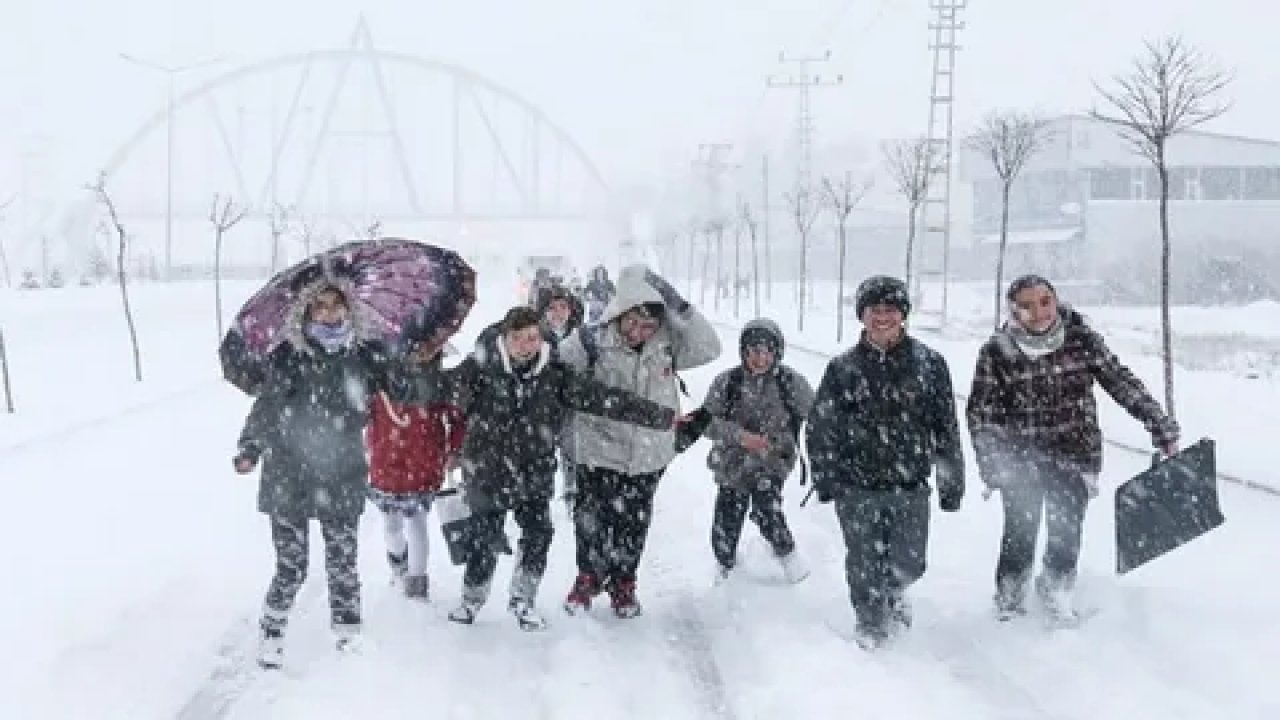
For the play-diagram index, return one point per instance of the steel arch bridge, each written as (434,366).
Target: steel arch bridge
(336,142)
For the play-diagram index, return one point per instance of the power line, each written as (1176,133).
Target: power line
(804,81)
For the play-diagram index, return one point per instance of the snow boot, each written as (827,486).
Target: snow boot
(527,616)
(622,596)
(417,587)
(271,649)
(1055,598)
(585,587)
(399,564)
(723,573)
(348,638)
(793,567)
(473,598)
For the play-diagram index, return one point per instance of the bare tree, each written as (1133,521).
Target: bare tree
(1172,88)
(842,198)
(4,257)
(805,205)
(4,372)
(306,234)
(278,220)
(374,231)
(100,189)
(747,219)
(224,215)
(1008,139)
(908,164)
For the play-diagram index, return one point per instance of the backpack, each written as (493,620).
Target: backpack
(589,335)
(733,395)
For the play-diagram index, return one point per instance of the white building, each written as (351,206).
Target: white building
(1085,210)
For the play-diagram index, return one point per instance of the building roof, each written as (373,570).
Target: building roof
(1073,117)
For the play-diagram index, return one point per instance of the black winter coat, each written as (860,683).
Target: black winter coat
(514,418)
(883,420)
(307,425)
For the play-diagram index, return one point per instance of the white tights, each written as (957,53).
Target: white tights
(408,533)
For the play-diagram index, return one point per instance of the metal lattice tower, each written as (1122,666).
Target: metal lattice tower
(935,245)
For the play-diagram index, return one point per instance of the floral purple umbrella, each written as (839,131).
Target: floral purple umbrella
(402,293)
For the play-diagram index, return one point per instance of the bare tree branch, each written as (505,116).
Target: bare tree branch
(224,215)
(908,164)
(842,197)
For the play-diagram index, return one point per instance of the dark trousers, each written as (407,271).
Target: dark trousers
(886,535)
(1060,496)
(290,538)
(765,503)
(611,519)
(536,532)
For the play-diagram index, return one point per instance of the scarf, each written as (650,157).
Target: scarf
(330,337)
(1036,345)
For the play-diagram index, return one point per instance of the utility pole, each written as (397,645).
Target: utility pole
(803,81)
(935,245)
(171,73)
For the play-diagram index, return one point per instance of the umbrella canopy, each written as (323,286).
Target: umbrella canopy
(401,292)
(1167,506)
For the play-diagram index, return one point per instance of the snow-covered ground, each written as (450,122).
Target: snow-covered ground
(133,556)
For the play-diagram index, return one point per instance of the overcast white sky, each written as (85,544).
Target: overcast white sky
(639,84)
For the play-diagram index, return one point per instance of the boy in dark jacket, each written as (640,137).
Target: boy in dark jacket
(757,409)
(1034,424)
(514,400)
(307,427)
(884,418)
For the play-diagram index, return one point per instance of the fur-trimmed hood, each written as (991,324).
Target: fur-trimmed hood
(362,324)
(491,352)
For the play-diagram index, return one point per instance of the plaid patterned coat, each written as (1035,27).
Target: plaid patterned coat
(1027,408)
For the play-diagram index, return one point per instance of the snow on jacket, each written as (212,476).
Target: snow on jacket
(884,419)
(513,416)
(307,424)
(410,446)
(683,341)
(1022,407)
(759,408)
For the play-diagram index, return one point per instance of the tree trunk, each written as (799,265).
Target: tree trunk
(128,312)
(755,269)
(4,265)
(693,252)
(840,287)
(1166,319)
(737,269)
(804,276)
(719,286)
(706,269)
(4,370)
(217,279)
(911,248)
(764,219)
(1004,242)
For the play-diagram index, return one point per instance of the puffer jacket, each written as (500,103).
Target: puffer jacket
(512,416)
(759,408)
(685,340)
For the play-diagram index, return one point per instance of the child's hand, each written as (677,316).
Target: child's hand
(753,442)
(244,465)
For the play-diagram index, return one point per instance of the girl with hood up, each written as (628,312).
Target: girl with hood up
(306,427)
(1033,421)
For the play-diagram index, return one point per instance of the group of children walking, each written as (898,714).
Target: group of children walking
(600,401)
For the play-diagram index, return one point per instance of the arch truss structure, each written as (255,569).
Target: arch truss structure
(357,136)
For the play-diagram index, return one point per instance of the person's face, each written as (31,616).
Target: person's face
(524,344)
(1035,308)
(328,308)
(558,312)
(883,323)
(637,327)
(759,359)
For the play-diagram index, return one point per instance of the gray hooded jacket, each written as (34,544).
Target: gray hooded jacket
(759,409)
(684,341)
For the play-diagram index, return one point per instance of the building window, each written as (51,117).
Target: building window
(1262,183)
(1109,184)
(1221,183)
